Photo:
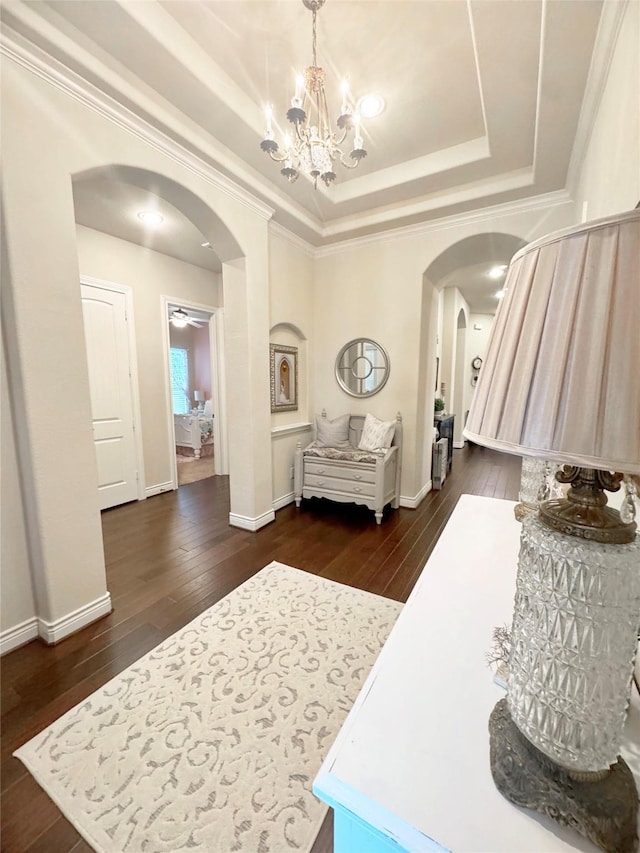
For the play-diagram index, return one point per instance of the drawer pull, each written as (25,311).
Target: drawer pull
(321,482)
(357,489)
(357,476)
(320,470)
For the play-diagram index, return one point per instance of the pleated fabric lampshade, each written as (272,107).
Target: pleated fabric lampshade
(561,382)
(561,377)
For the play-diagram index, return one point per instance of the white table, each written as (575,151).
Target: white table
(409,770)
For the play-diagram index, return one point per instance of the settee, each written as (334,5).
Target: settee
(347,473)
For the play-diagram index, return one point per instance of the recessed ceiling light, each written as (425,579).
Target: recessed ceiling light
(500,294)
(497,271)
(370,106)
(207,245)
(151,218)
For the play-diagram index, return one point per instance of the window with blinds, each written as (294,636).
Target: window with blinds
(180,380)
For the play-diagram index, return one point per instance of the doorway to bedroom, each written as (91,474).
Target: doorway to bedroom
(191,345)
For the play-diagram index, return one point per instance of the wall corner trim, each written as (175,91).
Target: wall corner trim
(252,524)
(283,501)
(17,636)
(414,502)
(52,632)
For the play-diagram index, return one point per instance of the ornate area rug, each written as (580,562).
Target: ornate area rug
(211,741)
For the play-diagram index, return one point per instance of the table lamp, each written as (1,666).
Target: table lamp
(561,382)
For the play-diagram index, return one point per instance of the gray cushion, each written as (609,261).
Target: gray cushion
(333,433)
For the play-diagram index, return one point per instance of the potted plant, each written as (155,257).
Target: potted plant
(438,406)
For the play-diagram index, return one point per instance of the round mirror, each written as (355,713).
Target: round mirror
(362,367)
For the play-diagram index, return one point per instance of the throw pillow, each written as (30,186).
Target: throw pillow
(333,433)
(376,434)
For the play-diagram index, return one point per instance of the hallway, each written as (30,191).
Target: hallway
(174,555)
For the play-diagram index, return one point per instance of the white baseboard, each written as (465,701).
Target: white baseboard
(17,636)
(414,503)
(252,524)
(52,632)
(150,491)
(285,500)
(458,445)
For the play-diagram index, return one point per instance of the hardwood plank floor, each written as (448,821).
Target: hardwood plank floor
(171,557)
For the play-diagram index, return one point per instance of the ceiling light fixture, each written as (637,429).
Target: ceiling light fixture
(178,318)
(314,146)
(370,106)
(151,218)
(499,294)
(498,271)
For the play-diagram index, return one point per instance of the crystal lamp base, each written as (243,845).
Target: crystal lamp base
(604,811)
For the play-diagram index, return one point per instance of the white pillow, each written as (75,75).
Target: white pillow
(333,433)
(376,434)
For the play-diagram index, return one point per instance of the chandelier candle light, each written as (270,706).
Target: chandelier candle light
(315,146)
(560,383)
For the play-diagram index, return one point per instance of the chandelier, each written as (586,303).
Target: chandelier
(315,147)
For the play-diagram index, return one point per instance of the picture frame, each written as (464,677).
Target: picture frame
(284,378)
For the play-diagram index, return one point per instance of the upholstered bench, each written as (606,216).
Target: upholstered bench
(335,467)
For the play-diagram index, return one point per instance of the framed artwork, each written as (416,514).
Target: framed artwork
(284,378)
(437,371)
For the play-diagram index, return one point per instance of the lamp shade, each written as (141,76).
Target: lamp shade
(561,377)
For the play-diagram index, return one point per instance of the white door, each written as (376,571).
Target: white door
(107,340)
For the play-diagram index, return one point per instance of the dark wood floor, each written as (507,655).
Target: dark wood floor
(174,555)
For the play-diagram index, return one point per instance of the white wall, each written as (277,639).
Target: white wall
(376,288)
(48,367)
(150,275)
(17,604)
(291,304)
(477,341)
(609,177)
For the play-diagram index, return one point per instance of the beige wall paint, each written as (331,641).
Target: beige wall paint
(377,289)
(48,362)
(477,342)
(609,179)
(150,275)
(17,603)
(291,324)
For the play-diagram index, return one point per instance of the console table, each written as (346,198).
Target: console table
(409,770)
(444,424)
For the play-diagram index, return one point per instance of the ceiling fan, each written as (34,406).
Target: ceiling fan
(180,319)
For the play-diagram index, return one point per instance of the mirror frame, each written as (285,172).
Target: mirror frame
(342,383)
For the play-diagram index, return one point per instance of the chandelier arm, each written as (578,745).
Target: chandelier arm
(346,164)
(299,135)
(338,142)
(278,158)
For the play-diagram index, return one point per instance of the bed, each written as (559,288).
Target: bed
(194,435)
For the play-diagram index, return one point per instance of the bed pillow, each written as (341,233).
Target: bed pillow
(376,434)
(333,433)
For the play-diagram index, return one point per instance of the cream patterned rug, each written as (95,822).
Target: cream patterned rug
(210,743)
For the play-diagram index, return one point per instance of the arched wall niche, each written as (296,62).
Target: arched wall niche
(287,428)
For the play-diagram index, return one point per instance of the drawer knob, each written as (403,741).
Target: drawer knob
(321,482)
(357,476)
(320,470)
(357,489)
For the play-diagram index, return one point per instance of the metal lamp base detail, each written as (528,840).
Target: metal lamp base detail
(604,811)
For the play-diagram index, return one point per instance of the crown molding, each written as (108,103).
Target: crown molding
(546,201)
(300,243)
(606,39)
(67,81)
